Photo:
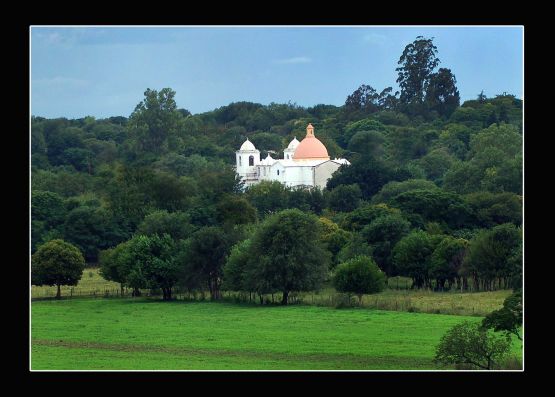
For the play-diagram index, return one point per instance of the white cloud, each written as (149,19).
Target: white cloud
(294,60)
(375,38)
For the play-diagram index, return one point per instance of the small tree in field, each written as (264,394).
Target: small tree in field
(469,343)
(289,254)
(359,276)
(508,319)
(57,263)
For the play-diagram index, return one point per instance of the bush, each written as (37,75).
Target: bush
(470,344)
(359,276)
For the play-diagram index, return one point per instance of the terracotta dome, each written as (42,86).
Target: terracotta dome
(310,147)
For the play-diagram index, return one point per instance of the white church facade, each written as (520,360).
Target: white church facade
(304,163)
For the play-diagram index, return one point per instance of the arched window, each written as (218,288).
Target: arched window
(278,172)
(239,161)
(251,161)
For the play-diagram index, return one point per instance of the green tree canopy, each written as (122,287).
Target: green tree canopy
(412,256)
(154,120)
(468,343)
(290,255)
(417,64)
(360,275)
(57,263)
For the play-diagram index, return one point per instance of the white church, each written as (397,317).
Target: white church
(304,163)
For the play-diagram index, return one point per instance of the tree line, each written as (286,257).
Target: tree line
(434,190)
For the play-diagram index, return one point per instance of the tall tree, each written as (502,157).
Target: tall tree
(417,64)
(290,255)
(154,119)
(203,256)
(365,98)
(441,92)
(412,256)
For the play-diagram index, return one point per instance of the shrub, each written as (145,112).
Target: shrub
(359,276)
(469,343)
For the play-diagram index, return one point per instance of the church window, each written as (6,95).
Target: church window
(278,172)
(239,161)
(251,161)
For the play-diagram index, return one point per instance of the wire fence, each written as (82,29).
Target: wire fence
(469,304)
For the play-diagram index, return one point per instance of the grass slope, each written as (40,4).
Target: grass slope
(148,334)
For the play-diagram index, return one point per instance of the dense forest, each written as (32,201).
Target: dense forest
(433,192)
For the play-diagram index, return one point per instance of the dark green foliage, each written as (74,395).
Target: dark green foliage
(111,263)
(47,207)
(234,210)
(236,267)
(154,121)
(442,95)
(508,319)
(57,263)
(86,227)
(491,209)
(176,224)
(417,64)
(366,100)
(468,343)
(382,234)
(412,256)
(143,262)
(392,189)
(435,163)
(359,276)
(366,214)
(202,258)
(345,198)
(370,175)
(435,205)
(268,197)
(288,254)
(493,254)
(167,191)
(355,246)
(267,142)
(334,238)
(446,261)
(98,182)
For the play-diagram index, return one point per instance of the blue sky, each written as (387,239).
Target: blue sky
(103,71)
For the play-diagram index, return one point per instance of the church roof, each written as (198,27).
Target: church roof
(268,160)
(293,144)
(306,163)
(247,145)
(310,147)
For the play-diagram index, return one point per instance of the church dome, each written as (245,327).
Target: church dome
(310,147)
(247,145)
(293,144)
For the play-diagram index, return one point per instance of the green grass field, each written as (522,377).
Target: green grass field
(149,334)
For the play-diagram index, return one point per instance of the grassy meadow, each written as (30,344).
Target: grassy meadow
(91,284)
(402,299)
(145,333)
